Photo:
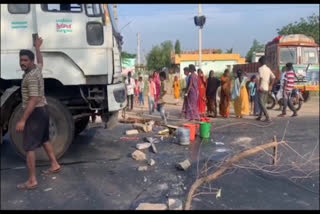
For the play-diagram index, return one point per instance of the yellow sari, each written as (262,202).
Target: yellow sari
(241,104)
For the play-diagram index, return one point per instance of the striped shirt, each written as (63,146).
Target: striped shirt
(32,85)
(289,78)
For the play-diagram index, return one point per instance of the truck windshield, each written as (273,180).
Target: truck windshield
(309,55)
(288,54)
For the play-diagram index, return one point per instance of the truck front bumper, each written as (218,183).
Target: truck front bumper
(116,97)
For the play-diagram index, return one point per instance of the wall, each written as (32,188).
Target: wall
(217,66)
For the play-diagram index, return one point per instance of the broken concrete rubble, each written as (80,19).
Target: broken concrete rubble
(150,206)
(184,165)
(145,127)
(142,146)
(138,155)
(151,162)
(132,132)
(154,149)
(174,204)
(142,168)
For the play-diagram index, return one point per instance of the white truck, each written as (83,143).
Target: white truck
(82,67)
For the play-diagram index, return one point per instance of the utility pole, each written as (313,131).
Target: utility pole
(200,37)
(115,12)
(138,63)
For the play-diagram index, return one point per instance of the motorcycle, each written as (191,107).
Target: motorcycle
(276,97)
(297,96)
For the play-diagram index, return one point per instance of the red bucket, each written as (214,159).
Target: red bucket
(192,128)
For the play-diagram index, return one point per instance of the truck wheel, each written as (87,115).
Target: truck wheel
(111,120)
(81,125)
(61,130)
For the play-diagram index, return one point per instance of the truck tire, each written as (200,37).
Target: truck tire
(61,130)
(81,125)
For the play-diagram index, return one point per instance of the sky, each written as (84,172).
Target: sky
(227,25)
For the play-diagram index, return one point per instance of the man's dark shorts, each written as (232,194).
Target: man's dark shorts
(36,130)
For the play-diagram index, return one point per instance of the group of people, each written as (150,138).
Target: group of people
(156,92)
(249,96)
(200,93)
(135,90)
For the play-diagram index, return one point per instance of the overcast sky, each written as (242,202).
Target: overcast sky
(227,25)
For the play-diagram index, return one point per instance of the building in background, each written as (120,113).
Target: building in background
(211,60)
(256,56)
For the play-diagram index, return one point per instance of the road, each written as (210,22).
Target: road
(99,173)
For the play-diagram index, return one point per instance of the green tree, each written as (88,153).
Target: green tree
(229,50)
(219,51)
(177,47)
(160,56)
(308,27)
(125,56)
(256,47)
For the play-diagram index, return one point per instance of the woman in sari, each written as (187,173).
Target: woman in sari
(176,89)
(157,82)
(192,112)
(240,95)
(224,107)
(212,85)
(202,100)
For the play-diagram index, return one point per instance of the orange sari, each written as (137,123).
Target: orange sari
(225,97)
(202,95)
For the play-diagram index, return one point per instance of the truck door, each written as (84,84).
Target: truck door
(18,27)
(75,30)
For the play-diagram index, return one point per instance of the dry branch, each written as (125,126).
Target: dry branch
(225,167)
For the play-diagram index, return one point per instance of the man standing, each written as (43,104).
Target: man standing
(265,85)
(130,85)
(288,84)
(35,121)
(187,74)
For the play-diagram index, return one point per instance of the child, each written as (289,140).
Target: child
(252,91)
(176,88)
(151,94)
(141,90)
(160,105)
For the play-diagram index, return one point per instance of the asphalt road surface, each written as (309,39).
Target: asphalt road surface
(99,173)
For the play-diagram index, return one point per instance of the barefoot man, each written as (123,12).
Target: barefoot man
(34,123)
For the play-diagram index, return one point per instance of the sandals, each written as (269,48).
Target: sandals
(48,171)
(25,186)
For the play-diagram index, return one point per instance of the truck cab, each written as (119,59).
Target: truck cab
(82,66)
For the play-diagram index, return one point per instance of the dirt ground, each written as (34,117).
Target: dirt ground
(99,173)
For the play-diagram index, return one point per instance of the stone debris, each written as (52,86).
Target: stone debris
(138,155)
(145,179)
(184,165)
(48,189)
(151,162)
(142,146)
(151,206)
(132,132)
(142,168)
(154,149)
(174,204)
